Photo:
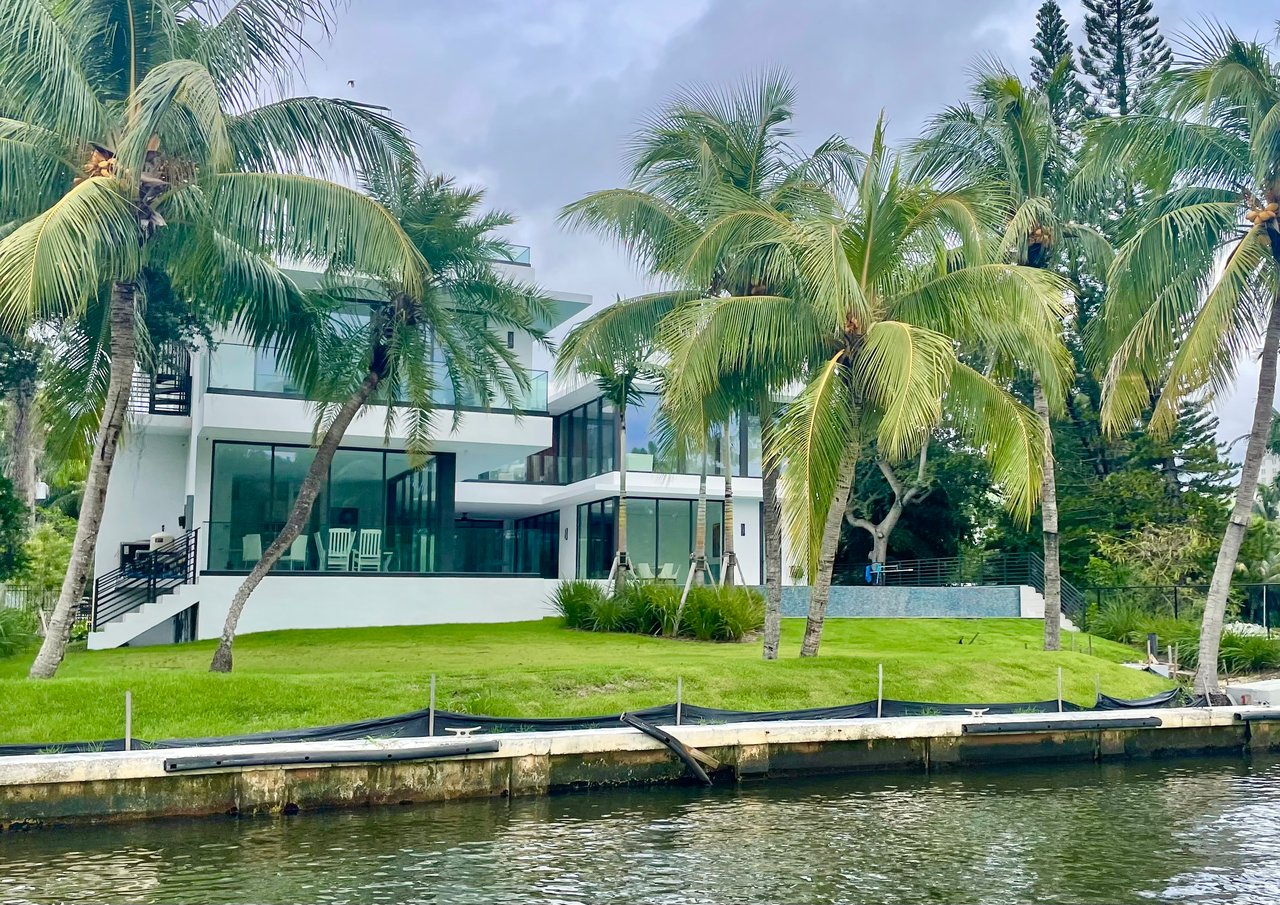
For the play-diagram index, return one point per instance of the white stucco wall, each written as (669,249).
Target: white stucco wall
(327,601)
(147,489)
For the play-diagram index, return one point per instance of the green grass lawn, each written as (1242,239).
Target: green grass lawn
(293,679)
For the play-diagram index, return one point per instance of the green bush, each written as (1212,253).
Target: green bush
(575,601)
(701,614)
(17,630)
(1120,620)
(611,614)
(1248,653)
(710,613)
(722,613)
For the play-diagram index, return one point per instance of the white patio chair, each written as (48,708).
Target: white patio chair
(368,556)
(340,540)
(251,549)
(296,557)
(320,551)
(668,572)
(644,571)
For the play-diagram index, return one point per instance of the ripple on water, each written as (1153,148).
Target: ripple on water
(1186,832)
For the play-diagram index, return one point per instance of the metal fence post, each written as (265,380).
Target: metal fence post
(679,699)
(1059,689)
(128,721)
(880,691)
(431,708)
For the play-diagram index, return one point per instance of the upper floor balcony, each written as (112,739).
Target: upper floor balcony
(249,370)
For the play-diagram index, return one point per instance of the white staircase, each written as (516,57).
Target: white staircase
(121,631)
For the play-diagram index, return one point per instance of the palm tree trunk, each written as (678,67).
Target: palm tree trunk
(22,438)
(623,565)
(114,411)
(298,516)
(1049,527)
(1206,681)
(730,562)
(772,540)
(820,590)
(698,560)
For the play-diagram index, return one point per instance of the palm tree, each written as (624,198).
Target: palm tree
(700,142)
(1006,138)
(439,336)
(617,347)
(878,304)
(1198,280)
(138,139)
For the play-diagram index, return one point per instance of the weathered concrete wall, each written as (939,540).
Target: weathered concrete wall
(899,602)
(54,789)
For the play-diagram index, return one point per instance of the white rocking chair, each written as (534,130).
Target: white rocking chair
(339,558)
(251,549)
(369,555)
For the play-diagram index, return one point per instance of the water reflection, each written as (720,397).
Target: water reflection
(1187,832)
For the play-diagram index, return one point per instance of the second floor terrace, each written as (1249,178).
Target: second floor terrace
(238,368)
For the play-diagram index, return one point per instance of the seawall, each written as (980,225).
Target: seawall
(53,789)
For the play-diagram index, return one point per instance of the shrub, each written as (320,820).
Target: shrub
(1120,620)
(651,608)
(575,601)
(1248,653)
(17,630)
(610,614)
(722,614)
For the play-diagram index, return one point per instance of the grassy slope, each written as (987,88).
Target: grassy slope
(307,678)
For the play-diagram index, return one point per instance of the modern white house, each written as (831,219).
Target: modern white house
(507,505)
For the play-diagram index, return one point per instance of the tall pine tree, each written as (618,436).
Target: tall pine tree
(1053,67)
(1123,52)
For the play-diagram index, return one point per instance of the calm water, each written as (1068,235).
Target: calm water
(1184,831)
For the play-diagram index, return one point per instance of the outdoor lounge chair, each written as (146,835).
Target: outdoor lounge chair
(320,550)
(667,573)
(339,559)
(644,571)
(251,549)
(368,556)
(296,557)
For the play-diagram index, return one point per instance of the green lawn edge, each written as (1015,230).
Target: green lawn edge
(302,678)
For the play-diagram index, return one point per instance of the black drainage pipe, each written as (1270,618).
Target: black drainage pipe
(183,764)
(1025,726)
(671,742)
(1258,717)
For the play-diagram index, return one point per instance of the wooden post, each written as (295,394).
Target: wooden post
(431,709)
(679,698)
(880,691)
(128,721)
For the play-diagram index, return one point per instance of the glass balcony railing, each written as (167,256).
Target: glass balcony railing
(239,368)
(520,254)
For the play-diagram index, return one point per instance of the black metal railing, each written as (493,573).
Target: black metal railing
(978,570)
(147,577)
(165,387)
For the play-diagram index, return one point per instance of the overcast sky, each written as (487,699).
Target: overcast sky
(534,99)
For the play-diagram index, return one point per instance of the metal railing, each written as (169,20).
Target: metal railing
(165,388)
(979,570)
(147,577)
(241,368)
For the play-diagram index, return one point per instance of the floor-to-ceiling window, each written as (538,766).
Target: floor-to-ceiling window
(374,512)
(660,537)
(538,545)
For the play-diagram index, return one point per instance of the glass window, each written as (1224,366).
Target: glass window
(231,367)
(398,508)
(538,545)
(642,534)
(675,530)
(596,533)
(413,514)
(754,454)
(479,545)
(240,509)
(642,445)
